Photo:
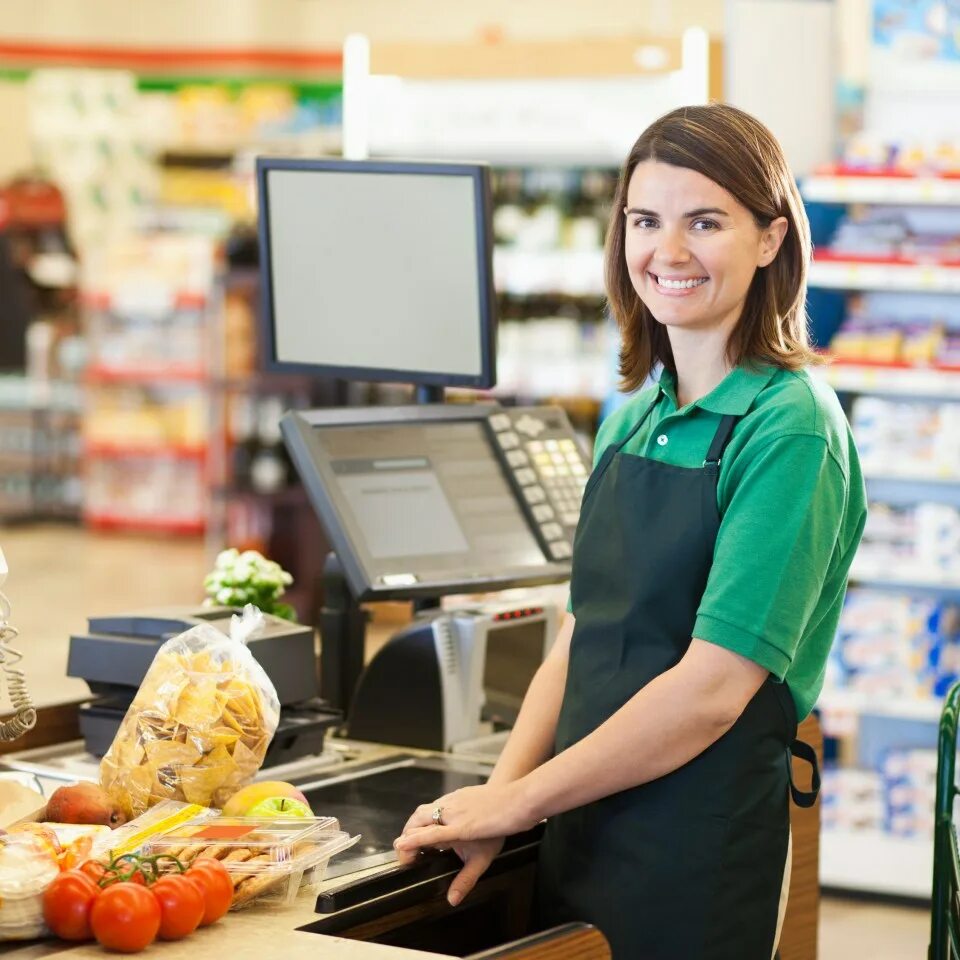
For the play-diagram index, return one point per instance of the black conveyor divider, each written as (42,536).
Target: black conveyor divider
(362,900)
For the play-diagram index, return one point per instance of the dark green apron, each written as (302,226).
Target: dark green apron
(689,866)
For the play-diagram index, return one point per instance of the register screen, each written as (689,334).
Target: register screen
(427,498)
(375,270)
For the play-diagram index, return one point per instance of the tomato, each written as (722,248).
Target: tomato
(94,869)
(182,906)
(125,917)
(217,888)
(66,905)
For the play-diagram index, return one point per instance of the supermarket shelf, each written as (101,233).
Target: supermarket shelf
(110,521)
(881,188)
(884,470)
(892,379)
(166,374)
(883,273)
(905,708)
(178,451)
(872,861)
(910,581)
(525,272)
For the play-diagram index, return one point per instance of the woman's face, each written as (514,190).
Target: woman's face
(691,248)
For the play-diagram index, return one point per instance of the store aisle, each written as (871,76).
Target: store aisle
(853,930)
(61,574)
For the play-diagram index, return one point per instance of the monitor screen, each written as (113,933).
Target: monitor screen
(515,651)
(427,499)
(378,270)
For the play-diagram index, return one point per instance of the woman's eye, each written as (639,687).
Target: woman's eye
(644,223)
(702,225)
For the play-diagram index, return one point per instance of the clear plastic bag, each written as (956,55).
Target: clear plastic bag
(27,868)
(200,724)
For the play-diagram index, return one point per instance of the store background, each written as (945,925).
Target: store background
(160,450)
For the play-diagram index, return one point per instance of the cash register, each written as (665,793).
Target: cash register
(382,271)
(113,655)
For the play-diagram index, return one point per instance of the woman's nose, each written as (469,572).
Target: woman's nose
(672,248)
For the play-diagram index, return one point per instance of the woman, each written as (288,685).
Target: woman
(709,570)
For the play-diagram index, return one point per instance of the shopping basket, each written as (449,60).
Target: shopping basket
(945,915)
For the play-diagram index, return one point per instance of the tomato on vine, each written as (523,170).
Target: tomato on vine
(125,917)
(182,906)
(217,887)
(67,903)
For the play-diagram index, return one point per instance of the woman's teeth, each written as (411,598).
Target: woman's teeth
(681,284)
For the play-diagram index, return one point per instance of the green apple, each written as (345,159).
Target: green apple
(280,807)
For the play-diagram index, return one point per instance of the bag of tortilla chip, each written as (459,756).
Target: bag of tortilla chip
(200,724)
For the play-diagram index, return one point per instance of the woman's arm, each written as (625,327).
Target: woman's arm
(673,719)
(529,745)
(670,721)
(531,740)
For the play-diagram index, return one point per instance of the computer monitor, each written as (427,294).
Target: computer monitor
(426,501)
(377,270)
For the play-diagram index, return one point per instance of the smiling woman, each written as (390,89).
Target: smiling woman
(709,567)
(726,244)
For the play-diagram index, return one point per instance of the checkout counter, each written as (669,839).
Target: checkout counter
(430,712)
(419,503)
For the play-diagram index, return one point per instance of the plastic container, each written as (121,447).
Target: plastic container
(266,858)
(26,870)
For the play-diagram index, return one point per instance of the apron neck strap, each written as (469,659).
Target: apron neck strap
(639,423)
(720,440)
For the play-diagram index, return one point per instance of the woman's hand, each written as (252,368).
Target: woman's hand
(474,822)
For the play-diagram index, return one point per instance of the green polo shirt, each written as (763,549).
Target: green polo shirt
(792,503)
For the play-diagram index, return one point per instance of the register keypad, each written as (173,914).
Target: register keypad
(549,469)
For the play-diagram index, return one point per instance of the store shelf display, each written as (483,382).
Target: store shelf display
(553,340)
(884,286)
(39,449)
(148,305)
(256,499)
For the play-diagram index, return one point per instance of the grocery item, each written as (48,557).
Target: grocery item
(69,843)
(215,885)
(263,857)
(84,803)
(280,807)
(200,724)
(245,799)
(66,905)
(125,917)
(17,801)
(27,867)
(156,821)
(182,906)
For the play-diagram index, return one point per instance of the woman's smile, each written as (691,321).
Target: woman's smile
(669,286)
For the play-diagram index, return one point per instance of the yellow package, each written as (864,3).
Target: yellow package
(200,724)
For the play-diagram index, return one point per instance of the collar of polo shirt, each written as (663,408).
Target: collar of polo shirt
(733,395)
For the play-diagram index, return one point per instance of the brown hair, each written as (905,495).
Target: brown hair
(742,156)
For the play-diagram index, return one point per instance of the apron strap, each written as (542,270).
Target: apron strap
(638,425)
(720,440)
(803,751)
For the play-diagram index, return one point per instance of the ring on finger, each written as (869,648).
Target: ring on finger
(437,817)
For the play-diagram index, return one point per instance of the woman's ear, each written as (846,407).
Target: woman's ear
(770,241)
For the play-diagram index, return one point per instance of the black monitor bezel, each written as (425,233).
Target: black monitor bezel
(298,428)
(479,173)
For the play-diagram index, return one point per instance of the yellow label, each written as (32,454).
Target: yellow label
(161,826)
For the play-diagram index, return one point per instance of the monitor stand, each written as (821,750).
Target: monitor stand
(343,628)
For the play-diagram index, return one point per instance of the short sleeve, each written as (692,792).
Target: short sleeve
(777,541)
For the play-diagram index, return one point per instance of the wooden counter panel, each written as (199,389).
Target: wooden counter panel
(798,941)
(562,943)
